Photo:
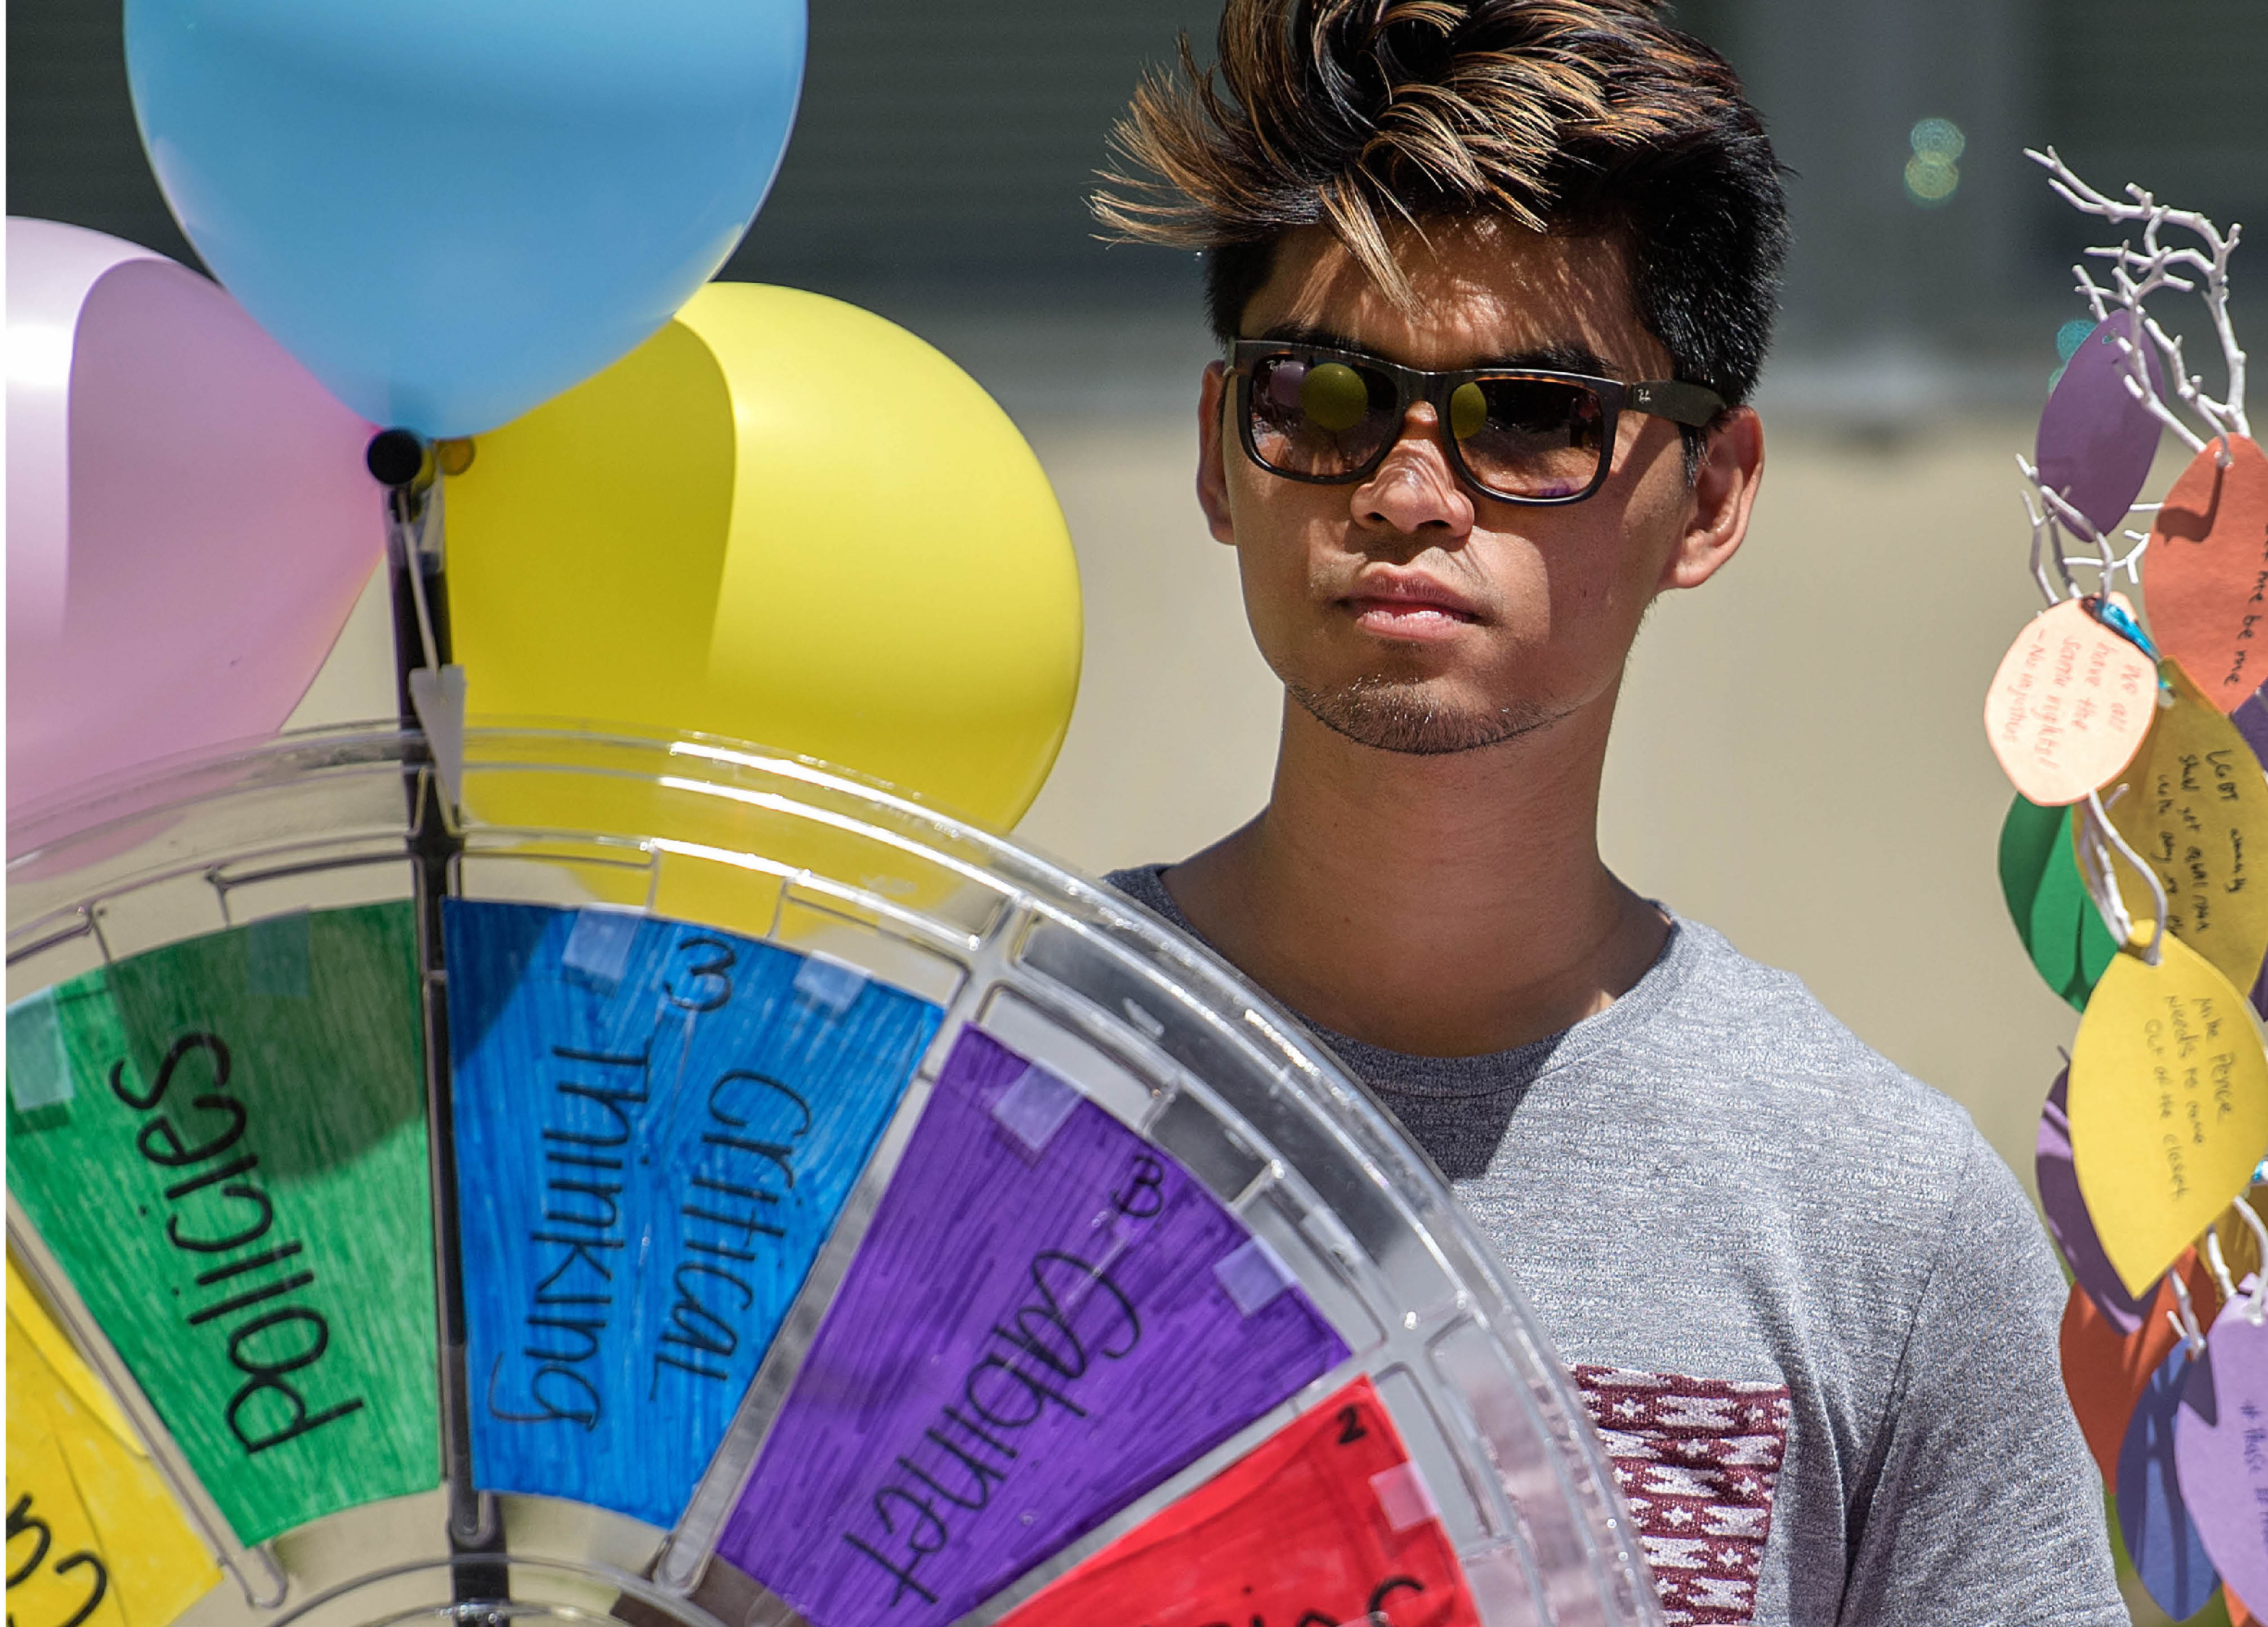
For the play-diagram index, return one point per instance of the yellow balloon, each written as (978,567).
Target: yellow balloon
(2196,807)
(2168,1101)
(785,519)
(74,1472)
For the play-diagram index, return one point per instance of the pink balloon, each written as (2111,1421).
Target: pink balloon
(189,519)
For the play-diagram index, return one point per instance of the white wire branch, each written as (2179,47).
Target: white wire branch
(2043,506)
(2137,273)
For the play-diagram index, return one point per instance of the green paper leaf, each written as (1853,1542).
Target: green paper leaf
(2058,922)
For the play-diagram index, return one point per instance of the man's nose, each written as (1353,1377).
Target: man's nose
(1414,490)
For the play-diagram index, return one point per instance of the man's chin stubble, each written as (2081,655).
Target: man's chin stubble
(1391,715)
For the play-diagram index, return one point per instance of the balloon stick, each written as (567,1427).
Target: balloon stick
(430,696)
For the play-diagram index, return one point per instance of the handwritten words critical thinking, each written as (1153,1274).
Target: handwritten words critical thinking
(594,1124)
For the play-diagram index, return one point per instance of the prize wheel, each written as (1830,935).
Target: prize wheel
(661,1181)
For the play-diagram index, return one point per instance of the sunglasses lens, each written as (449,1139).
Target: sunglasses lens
(1321,418)
(1529,438)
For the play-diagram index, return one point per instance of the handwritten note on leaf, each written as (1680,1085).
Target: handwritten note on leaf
(114,1551)
(2196,807)
(2207,572)
(2069,706)
(2220,1447)
(1310,1526)
(2168,1105)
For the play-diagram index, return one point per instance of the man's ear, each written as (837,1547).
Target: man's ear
(1724,492)
(1212,469)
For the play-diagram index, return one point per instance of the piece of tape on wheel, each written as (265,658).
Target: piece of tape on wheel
(1034,1106)
(598,946)
(1405,1497)
(277,952)
(1252,1275)
(828,982)
(38,1067)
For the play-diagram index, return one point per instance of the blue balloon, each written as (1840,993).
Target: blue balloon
(451,210)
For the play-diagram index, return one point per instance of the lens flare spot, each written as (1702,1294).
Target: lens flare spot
(1930,180)
(1938,139)
(1934,173)
(1468,410)
(1334,396)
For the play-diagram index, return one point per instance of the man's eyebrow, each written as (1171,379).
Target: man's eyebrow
(1577,359)
(1309,333)
(1571,357)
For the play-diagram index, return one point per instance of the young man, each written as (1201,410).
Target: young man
(1495,278)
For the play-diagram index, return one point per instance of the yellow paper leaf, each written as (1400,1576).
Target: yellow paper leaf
(108,1517)
(2168,1099)
(2196,807)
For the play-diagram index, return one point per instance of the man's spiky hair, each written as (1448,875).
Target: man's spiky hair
(1572,117)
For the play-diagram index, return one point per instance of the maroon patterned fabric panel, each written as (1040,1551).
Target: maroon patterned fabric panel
(1698,1461)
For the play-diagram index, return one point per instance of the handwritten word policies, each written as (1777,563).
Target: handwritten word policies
(231,1165)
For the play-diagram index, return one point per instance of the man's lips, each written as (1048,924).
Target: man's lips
(1397,607)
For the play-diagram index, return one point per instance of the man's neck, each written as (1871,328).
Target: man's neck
(1450,905)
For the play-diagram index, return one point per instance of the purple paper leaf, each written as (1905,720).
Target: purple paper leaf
(2097,441)
(1047,1317)
(2154,1516)
(2220,1449)
(2069,1222)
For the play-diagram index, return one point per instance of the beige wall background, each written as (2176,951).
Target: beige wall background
(1799,759)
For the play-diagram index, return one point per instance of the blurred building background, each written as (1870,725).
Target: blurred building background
(1801,759)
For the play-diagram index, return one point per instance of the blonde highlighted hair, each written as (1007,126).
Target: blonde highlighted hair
(1575,117)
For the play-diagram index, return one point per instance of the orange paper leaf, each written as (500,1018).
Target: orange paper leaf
(2104,1371)
(2069,706)
(2205,573)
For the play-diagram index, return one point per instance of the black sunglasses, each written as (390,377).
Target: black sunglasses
(1518,434)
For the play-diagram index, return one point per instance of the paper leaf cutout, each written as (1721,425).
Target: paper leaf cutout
(2105,1367)
(72,1469)
(657,1125)
(1323,1523)
(2069,705)
(2059,925)
(2096,438)
(2154,1516)
(2168,1099)
(2196,807)
(1047,1318)
(2220,1447)
(2068,1221)
(238,1184)
(2207,572)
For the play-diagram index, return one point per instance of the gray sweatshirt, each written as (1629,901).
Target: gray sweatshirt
(1809,1307)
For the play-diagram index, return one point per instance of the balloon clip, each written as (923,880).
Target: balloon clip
(397,459)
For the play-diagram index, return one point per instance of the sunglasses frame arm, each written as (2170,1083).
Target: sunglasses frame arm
(1695,406)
